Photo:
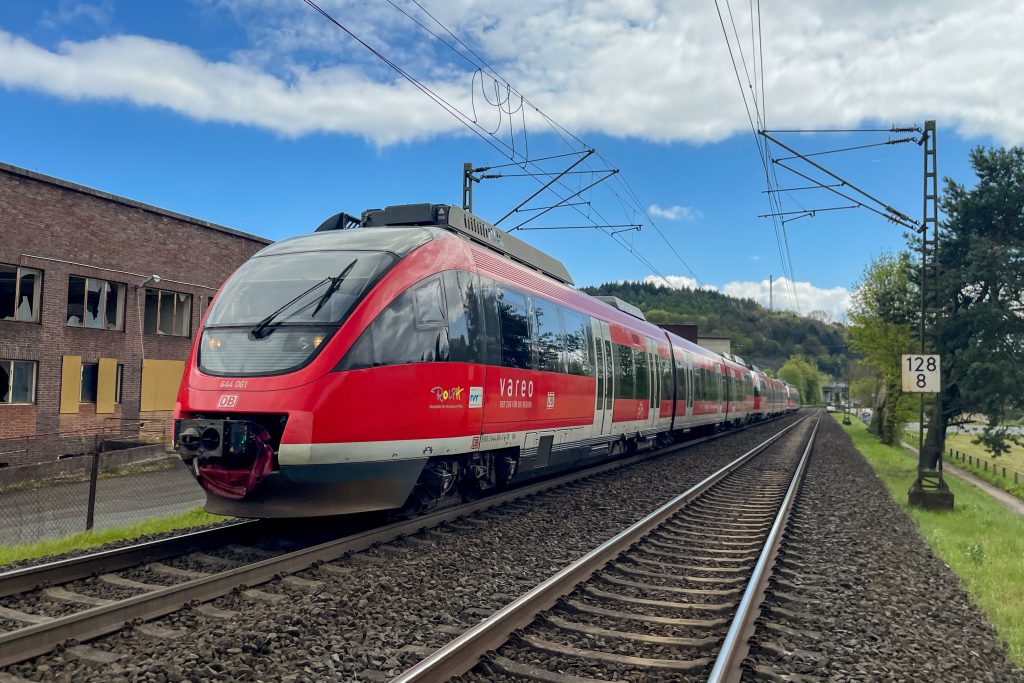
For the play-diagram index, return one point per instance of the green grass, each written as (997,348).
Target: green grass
(977,469)
(92,539)
(1013,459)
(980,540)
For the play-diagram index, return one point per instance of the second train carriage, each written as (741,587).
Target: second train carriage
(425,355)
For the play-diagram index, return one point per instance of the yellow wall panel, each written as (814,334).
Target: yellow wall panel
(70,383)
(160,382)
(106,385)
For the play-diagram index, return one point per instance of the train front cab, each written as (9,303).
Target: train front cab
(431,369)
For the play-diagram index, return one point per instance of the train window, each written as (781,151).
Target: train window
(360,355)
(429,304)
(600,375)
(577,343)
(398,340)
(681,393)
(492,327)
(643,378)
(549,336)
(625,385)
(666,378)
(466,336)
(515,329)
(294,302)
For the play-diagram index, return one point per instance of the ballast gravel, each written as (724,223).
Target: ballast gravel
(376,613)
(860,597)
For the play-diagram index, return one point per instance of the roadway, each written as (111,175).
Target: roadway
(56,510)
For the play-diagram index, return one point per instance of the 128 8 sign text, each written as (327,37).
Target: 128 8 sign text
(921,373)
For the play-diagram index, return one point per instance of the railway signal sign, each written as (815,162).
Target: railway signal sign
(921,373)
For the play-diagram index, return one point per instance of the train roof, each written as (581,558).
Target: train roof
(399,241)
(463,223)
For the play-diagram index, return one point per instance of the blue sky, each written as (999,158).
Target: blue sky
(262,116)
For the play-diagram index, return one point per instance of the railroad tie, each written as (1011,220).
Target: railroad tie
(64,595)
(25,617)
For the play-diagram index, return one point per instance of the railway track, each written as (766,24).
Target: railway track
(673,597)
(97,594)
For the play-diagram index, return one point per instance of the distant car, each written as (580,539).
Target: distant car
(866,417)
(830,408)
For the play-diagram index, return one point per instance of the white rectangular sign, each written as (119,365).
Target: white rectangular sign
(921,373)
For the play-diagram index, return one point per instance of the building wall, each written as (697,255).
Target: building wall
(716,344)
(64,229)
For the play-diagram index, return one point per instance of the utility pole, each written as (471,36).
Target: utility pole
(929,489)
(467,186)
(771,300)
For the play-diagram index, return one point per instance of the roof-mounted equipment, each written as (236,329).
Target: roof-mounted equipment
(469,226)
(623,306)
(339,221)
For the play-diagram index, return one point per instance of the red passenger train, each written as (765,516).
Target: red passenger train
(420,355)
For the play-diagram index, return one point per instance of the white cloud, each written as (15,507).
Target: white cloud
(675,213)
(155,73)
(677,282)
(834,301)
(655,70)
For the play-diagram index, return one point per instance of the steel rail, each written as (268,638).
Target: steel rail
(25,643)
(28,578)
(24,579)
(463,653)
(728,664)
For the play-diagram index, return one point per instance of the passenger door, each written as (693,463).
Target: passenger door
(654,374)
(605,378)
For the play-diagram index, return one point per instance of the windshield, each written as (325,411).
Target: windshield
(299,286)
(276,311)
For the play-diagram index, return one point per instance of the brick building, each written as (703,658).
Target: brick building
(99,299)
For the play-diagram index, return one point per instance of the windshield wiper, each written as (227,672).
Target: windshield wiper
(259,331)
(333,287)
(264,327)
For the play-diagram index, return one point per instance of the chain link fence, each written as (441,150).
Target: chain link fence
(93,488)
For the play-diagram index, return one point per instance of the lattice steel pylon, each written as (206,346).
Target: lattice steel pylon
(929,489)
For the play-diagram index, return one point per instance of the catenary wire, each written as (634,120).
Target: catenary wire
(555,126)
(452,110)
(762,155)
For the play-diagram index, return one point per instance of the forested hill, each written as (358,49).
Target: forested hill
(760,336)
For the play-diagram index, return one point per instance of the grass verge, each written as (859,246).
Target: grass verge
(92,539)
(989,473)
(980,540)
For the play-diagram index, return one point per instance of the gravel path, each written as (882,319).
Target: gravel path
(861,597)
(373,614)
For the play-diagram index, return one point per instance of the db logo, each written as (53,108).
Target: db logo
(475,446)
(227,401)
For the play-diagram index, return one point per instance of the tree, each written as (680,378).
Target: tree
(881,316)
(980,334)
(804,375)
(821,315)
